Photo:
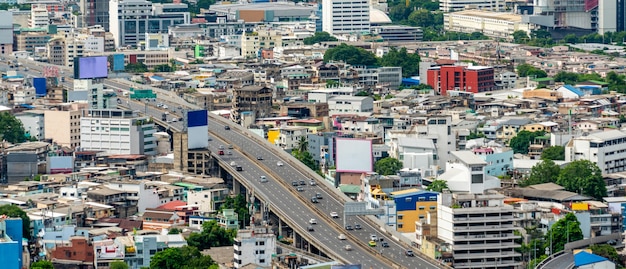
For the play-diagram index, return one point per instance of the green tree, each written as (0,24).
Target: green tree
(521,141)
(11,129)
(554,153)
(240,206)
(350,55)
(42,265)
(437,185)
(566,77)
(520,36)
(387,166)
(319,37)
(303,144)
(138,67)
(163,68)
(408,61)
(118,265)
(306,158)
(527,70)
(421,18)
(571,39)
(543,172)
(14,211)
(212,235)
(474,135)
(606,251)
(174,231)
(584,177)
(563,231)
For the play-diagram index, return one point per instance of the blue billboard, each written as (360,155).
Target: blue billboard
(118,62)
(197,129)
(40,87)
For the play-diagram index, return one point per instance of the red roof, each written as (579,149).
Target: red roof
(173,205)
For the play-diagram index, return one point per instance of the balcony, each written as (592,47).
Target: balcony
(486,255)
(482,219)
(484,236)
(485,246)
(483,227)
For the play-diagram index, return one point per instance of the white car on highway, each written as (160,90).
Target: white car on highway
(279,163)
(334,215)
(312,221)
(342,237)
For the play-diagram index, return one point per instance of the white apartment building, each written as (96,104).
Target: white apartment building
(117,132)
(63,126)
(478,229)
(23,95)
(350,105)
(39,16)
(256,246)
(437,129)
(390,77)
(79,45)
(33,122)
(208,201)
(289,136)
(458,5)
(345,16)
(606,149)
(491,24)
(262,38)
(94,92)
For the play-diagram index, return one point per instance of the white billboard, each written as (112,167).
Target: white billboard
(354,155)
(60,164)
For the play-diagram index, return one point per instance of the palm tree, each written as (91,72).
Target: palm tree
(303,144)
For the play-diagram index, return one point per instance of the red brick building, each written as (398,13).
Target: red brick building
(461,78)
(78,250)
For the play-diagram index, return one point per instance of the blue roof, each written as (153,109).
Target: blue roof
(10,77)
(410,81)
(27,106)
(574,90)
(157,78)
(415,193)
(584,258)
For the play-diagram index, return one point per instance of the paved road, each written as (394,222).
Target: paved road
(298,209)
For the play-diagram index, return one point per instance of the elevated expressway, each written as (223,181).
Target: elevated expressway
(292,207)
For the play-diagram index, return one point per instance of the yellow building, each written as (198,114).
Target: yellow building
(413,205)
(547,127)
(273,135)
(264,38)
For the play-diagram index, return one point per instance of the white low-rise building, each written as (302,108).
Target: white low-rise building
(606,149)
(117,132)
(491,24)
(350,105)
(254,246)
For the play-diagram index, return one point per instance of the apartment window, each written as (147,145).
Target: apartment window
(152,251)
(262,261)
(421,208)
(400,217)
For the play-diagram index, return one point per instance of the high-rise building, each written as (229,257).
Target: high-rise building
(611,16)
(94,92)
(95,12)
(130,20)
(345,16)
(6,32)
(117,132)
(39,17)
(63,124)
(474,221)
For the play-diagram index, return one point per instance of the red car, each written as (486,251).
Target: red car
(221,152)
